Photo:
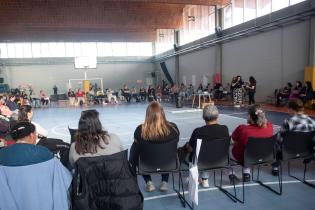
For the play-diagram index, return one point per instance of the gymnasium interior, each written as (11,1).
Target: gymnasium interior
(55,46)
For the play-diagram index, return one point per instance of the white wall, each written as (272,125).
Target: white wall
(273,58)
(46,76)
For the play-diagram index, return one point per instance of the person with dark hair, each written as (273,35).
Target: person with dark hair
(307,92)
(211,131)
(30,176)
(237,86)
(11,103)
(296,91)
(126,93)
(91,140)
(143,94)
(151,93)
(26,114)
(251,87)
(4,110)
(299,122)
(259,127)
(284,93)
(156,130)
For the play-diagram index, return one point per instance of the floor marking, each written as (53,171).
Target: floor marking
(225,187)
(185,111)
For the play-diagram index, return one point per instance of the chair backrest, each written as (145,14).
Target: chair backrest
(157,157)
(297,145)
(213,154)
(259,151)
(72,132)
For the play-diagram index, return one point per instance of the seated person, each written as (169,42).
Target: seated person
(156,130)
(182,90)
(143,94)
(126,93)
(43,98)
(299,122)
(110,96)
(135,94)
(91,140)
(26,114)
(296,91)
(71,96)
(159,93)
(151,93)
(211,131)
(11,103)
(30,176)
(307,92)
(284,93)
(80,97)
(100,96)
(258,127)
(4,110)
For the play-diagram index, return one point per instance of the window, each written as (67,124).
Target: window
(3,51)
(88,49)
(27,50)
(36,50)
(238,11)
(228,16)
(133,49)
(263,7)
(119,49)
(19,50)
(108,49)
(146,49)
(100,49)
(250,10)
(77,49)
(11,50)
(69,49)
(57,49)
(279,4)
(44,49)
(295,1)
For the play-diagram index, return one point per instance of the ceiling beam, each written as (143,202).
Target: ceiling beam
(191,2)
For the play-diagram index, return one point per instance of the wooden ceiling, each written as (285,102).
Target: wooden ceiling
(91,20)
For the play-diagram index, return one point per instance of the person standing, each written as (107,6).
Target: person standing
(251,87)
(55,90)
(237,86)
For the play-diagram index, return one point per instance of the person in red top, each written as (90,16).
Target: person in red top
(258,127)
(80,97)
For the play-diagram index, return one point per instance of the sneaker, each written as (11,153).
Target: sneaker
(275,171)
(205,183)
(164,186)
(233,179)
(246,177)
(150,186)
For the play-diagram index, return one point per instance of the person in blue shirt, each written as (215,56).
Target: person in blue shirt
(30,176)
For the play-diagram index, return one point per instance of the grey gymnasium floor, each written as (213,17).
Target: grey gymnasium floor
(123,119)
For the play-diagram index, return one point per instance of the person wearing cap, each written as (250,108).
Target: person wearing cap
(212,130)
(30,176)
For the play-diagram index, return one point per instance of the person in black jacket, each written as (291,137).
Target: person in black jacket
(156,130)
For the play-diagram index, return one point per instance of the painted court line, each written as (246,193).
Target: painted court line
(226,187)
(185,111)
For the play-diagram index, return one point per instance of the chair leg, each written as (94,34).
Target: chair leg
(257,180)
(180,191)
(304,174)
(232,197)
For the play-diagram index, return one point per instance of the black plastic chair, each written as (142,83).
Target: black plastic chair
(260,152)
(298,145)
(159,158)
(72,132)
(213,155)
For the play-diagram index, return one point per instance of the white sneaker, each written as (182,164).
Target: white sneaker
(205,183)
(150,186)
(164,186)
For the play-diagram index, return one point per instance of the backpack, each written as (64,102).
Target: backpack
(59,148)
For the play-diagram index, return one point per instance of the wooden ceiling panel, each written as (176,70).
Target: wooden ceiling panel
(90,19)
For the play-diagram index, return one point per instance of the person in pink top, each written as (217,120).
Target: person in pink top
(43,98)
(258,126)
(4,110)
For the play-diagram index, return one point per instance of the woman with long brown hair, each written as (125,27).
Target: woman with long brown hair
(155,129)
(91,140)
